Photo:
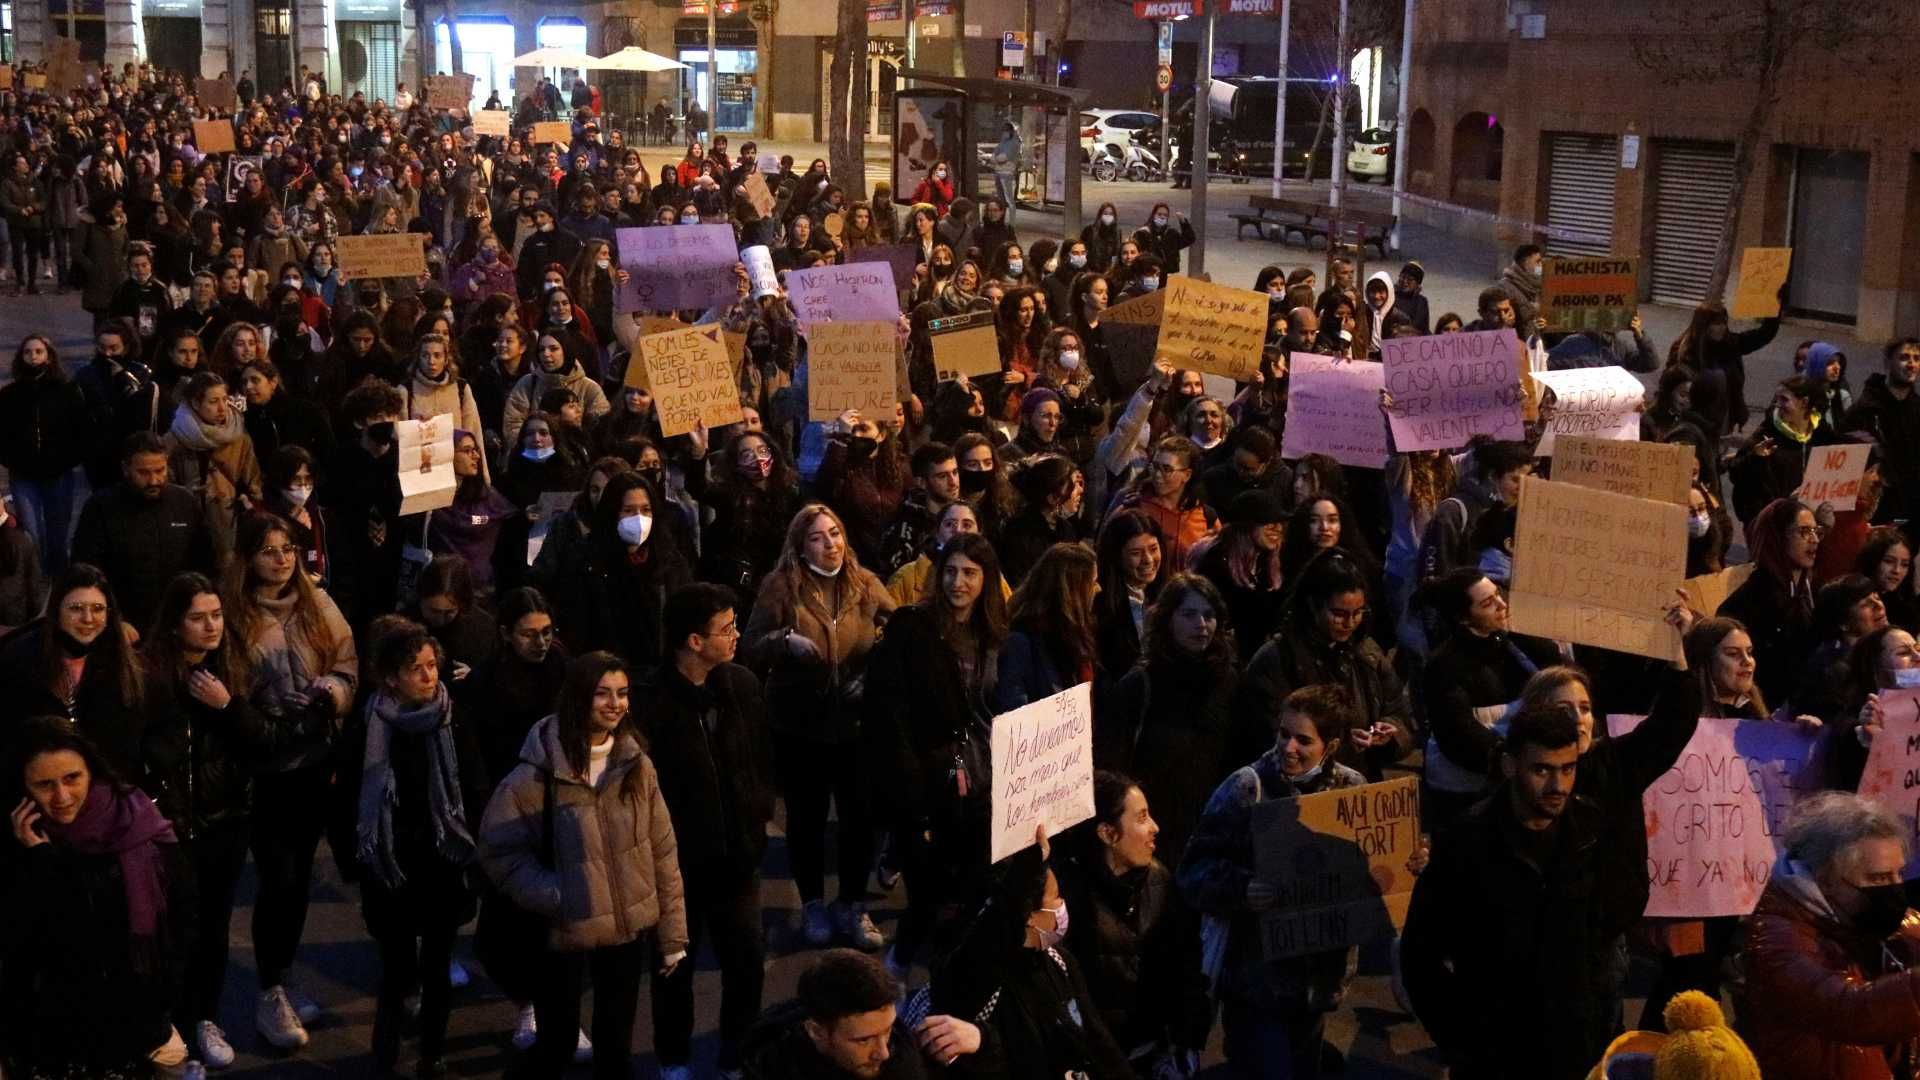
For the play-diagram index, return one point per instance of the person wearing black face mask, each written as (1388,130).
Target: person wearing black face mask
(1830,980)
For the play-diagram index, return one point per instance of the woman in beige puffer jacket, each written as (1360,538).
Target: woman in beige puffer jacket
(612,895)
(436,388)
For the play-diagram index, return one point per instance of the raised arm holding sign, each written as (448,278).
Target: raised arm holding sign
(1042,768)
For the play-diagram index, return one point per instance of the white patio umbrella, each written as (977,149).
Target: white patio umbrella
(557,58)
(635,58)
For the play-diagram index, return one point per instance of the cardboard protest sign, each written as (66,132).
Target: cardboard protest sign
(856,292)
(965,344)
(553,131)
(1597,568)
(1338,861)
(36,80)
(378,256)
(1601,403)
(1707,592)
(213,136)
(424,456)
(6,76)
(1658,471)
(216,93)
(1447,388)
(1042,768)
(760,273)
(675,267)
(449,91)
(1762,271)
(1833,475)
(495,122)
(1892,774)
(1213,328)
(64,69)
(1333,408)
(1717,819)
(850,365)
(691,379)
(1589,294)
(755,187)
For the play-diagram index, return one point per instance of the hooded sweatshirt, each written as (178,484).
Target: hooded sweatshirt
(1379,333)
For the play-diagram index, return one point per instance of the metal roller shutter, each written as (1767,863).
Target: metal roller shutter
(1691,185)
(1580,173)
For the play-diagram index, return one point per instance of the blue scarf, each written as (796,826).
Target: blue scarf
(446,810)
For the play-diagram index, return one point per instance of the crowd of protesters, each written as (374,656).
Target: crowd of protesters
(567,706)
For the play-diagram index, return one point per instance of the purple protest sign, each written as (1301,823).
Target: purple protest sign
(857,292)
(903,258)
(1333,408)
(1447,388)
(672,267)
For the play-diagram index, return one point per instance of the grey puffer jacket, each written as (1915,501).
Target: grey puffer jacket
(616,873)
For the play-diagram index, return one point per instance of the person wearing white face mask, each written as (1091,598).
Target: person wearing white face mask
(1063,369)
(289,493)
(1886,659)
(1102,238)
(1166,234)
(610,596)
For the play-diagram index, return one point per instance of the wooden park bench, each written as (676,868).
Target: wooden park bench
(1273,219)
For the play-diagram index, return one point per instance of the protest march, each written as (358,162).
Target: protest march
(606,549)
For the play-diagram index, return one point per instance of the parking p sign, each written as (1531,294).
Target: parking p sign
(1013,49)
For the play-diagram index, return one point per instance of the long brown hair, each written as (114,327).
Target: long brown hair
(1157,646)
(227,662)
(1055,602)
(989,614)
(111,655)
(246,618)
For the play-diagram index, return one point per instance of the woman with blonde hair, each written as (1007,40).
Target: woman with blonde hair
(815,622)
(210,453)
(304,671)
(435,388)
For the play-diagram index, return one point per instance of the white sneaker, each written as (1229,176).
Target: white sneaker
(815,926)
(457,976)
(853,923)
(583,1050)
(307,1009)
(675,1072)
(215,1051)
(274,1015)
(525,1031)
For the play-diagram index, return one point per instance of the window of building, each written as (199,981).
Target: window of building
(83,20)
(486,53)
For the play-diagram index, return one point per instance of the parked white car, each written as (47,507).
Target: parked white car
(1371,155)
(1101,126)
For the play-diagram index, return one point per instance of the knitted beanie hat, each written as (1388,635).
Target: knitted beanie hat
(1700,1045)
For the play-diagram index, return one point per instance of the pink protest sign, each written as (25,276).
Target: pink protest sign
(672,267)
(856,292)
(1892,775)
(1716,819)
(1447,388)
(1333,408)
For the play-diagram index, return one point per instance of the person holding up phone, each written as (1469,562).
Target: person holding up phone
(97,917)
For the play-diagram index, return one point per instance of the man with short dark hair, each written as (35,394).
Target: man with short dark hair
(1890,410)
(706,728)
(844,1026)
(1504,951)
(1521,283)
(1408,298)
(143,531)
(1496,311)
(936,486)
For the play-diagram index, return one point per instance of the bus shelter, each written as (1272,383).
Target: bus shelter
(965,122)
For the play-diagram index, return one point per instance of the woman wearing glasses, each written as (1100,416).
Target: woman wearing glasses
(1467,685)
(77,663)
(1167,493)
(1776,603)
(304,666)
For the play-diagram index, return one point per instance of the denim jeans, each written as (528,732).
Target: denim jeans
(46,512)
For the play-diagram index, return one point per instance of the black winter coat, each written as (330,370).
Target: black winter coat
(1504,956)
(920,717)
(506,698)
(44,429)
(1172,728)
(143,543)
(122,399)
(1895,425)
(1760,479)
(113,724)
(1140,944)
(603,604)
(717,781)
(200,761)
(1469,672)
(1720,376)
(91,1011)
(287,420)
